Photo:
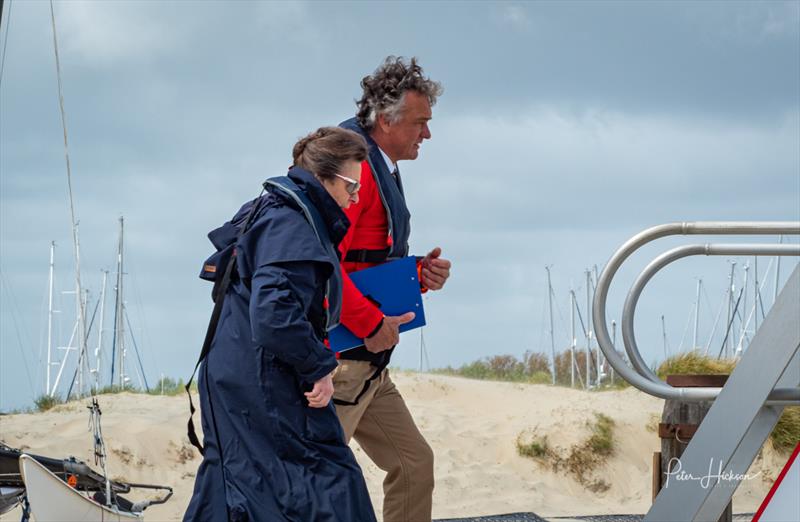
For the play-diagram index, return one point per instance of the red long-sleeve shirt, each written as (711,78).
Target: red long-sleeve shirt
(369,229)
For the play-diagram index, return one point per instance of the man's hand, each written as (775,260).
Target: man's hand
(435,270)
(389,333)
(321,394)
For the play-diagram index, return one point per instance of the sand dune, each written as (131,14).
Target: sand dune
(471,425)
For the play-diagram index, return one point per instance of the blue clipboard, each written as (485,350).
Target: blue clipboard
(395,288)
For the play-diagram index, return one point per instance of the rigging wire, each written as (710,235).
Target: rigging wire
(147,339)
(5,38)
(14,319)
(733,317)
(136,348)
(686,329)
(88,332)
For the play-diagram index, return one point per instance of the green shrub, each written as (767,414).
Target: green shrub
(602,440)
(169,386)
(535,448)
(786,434)
(130,388)
(45,402)
(532,369)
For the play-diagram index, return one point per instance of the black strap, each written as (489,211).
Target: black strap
(367,256)
(379,367)
(212,326)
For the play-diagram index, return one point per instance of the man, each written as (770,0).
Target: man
(393,116)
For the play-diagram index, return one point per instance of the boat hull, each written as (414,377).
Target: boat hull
(52,499)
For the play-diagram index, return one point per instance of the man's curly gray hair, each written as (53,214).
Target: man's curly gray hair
(385,89)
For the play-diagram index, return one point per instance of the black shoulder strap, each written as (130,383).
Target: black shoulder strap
(213,322)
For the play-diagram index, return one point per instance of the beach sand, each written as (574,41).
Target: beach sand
(471,425)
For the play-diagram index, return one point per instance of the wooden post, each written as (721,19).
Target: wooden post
(680,421)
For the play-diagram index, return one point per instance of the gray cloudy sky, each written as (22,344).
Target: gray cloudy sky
(565,128)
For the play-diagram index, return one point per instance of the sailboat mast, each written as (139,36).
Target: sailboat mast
(552,337)
(588,329)
(614,344)
(73,220)
(777,273)
(756,292)
(696,313)
(731,289)
(120,306)
(50,316)
(574,340)
(98,352)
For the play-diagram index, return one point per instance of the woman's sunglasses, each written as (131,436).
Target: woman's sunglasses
(352,187)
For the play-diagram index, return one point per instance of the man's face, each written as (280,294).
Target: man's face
(404,136)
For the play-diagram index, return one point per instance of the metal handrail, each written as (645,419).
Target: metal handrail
(640,376)
(629,308)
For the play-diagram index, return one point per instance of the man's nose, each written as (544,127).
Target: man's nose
(354,197)
(426,132)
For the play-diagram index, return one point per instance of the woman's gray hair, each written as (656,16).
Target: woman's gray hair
(385,90)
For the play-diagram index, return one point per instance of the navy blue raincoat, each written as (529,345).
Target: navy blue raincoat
(268,455)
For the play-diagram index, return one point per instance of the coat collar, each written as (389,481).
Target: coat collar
(332,214)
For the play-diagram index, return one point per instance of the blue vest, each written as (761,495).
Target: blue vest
(390,189)
(333,289)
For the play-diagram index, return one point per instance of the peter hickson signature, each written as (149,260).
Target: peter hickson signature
(705,480)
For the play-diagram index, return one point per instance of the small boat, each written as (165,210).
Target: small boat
(51,498)
(66,490)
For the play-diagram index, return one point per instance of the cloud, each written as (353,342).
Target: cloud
(545,168)
(782,19)
(515,16)
(101,33)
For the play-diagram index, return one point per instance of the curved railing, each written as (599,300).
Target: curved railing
(640,375)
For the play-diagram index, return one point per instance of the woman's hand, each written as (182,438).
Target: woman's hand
(321,394)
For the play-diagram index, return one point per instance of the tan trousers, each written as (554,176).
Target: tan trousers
(385,430)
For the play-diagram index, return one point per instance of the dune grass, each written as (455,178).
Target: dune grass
(580,460)
(786,434)
(695,363)
(536,448)
(165,386)
(45,402)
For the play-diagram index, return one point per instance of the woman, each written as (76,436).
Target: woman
(274,448)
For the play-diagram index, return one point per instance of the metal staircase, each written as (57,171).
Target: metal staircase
(746,409)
